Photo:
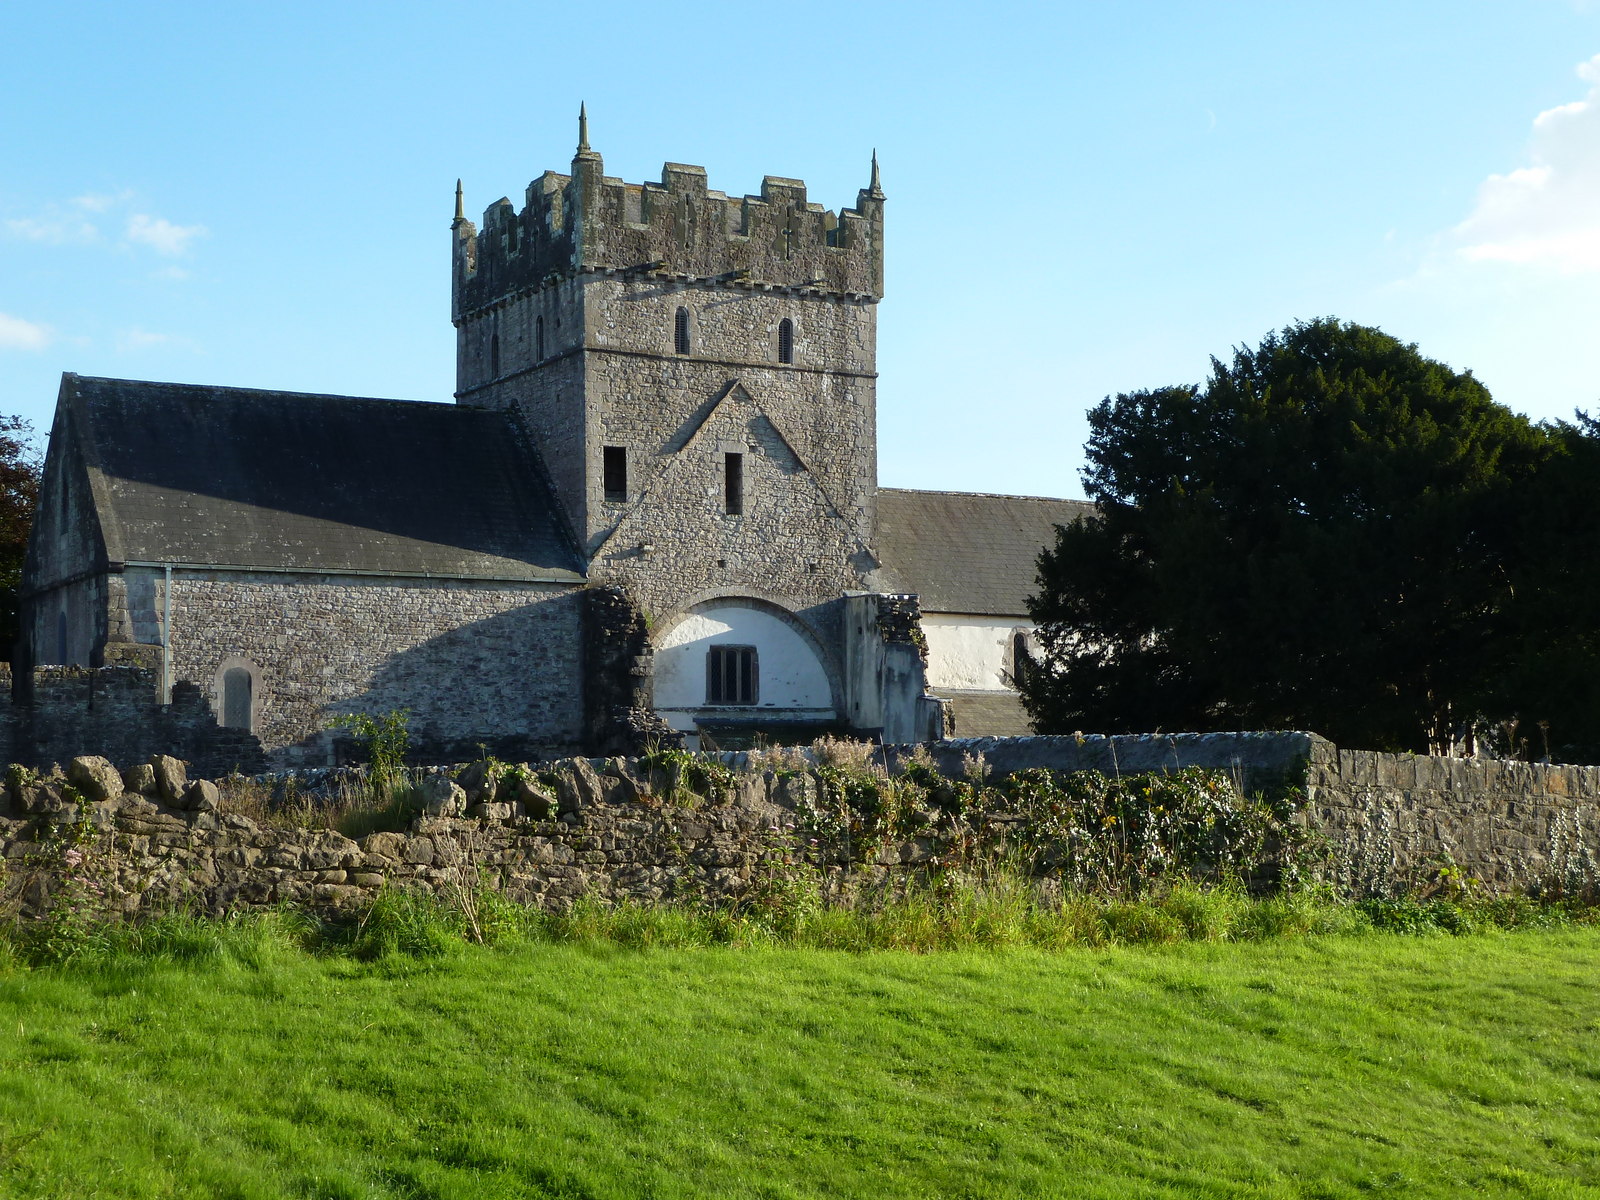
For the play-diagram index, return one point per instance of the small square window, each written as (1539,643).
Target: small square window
(731,675)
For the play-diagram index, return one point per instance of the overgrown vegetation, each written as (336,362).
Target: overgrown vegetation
(383,741)
(785,908)
(1039,859)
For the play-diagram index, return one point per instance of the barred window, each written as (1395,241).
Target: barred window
(786,341)
(731,675)
(680,331)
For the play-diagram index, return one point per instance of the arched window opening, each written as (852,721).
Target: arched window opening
(237,694)
(786,341)
(680,331)
(494,355)
(1020,659)
(538,340)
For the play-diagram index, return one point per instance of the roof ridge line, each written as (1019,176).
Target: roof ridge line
(990,495)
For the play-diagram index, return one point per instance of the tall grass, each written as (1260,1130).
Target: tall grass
(354,805)
(996,912)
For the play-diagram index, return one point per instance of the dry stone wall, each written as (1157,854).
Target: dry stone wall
(615,830)
(1512,825)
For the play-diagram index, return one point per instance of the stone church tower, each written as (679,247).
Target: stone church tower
(696,373)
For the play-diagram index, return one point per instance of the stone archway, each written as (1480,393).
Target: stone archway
(741,667)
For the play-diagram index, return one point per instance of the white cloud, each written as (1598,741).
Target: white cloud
(17,334)
(100,201)
(1545,214)
(54,227)
(161,234)
(134,339)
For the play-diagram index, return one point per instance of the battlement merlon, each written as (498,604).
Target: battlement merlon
(587,221)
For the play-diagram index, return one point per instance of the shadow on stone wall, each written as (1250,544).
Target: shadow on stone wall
(60,712)
(509,683)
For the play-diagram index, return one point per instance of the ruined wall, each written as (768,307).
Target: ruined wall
(114,710)
(885,670)
(473,661)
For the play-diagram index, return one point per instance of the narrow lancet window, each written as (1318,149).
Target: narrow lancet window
(494,356)
(733,484)
(236,697)
(680,331)
(786,341)
(615,472)
(538,340)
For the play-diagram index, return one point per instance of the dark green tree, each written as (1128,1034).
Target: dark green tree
(19,492)
(1323,536)
(1554,619)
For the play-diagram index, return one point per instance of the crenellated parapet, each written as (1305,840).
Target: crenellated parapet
(589,222)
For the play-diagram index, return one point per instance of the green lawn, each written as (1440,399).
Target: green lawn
(1427,1066)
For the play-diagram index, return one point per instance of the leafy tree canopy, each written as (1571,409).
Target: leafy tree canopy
(1333,533)
(19,492)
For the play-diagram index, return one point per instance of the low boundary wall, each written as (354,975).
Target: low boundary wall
(611,829)
(1391,819)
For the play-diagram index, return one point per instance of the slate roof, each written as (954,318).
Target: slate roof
(233,476)
(967,552)
(986,714)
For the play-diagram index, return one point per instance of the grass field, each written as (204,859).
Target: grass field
(1322,1066)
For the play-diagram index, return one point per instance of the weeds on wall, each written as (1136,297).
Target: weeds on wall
(69,874)
(383,741)
(875,855)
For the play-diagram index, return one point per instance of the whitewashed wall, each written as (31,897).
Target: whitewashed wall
(970,653)
(792,679)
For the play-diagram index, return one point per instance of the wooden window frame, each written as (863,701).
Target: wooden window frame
(733,676)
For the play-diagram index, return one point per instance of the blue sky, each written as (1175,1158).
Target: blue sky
(1084,198)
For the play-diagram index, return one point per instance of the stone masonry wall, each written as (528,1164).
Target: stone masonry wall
(1512,825)
(115,710)
(565,312)
(472,661)
(614,830)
